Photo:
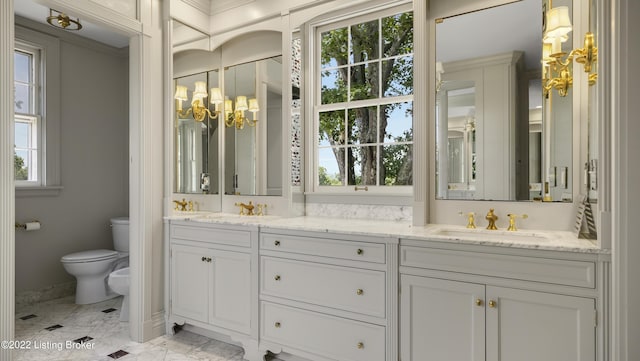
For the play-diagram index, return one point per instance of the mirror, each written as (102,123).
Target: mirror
(195,142)
(496,138)
(253,147)
(195,139)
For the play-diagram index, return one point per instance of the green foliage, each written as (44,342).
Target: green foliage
(22,173)
(351,53)
(398,163)
(326,179)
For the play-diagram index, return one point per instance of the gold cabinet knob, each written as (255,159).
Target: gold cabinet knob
(276,243)
(277,277)
(493,304)
(277,325)
(359,292)
(360,345)
(478,302)
(360,251)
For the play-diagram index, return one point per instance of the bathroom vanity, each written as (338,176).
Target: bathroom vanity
(336,289)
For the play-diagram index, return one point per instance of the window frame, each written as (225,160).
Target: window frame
(314,30)
(49,104)
(32,115)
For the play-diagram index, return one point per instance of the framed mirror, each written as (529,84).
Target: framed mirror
(253,134)
(499,136)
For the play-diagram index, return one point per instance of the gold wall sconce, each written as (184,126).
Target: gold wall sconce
(233,115)
(236,115)
(198,108)
(61,20)
(556,64)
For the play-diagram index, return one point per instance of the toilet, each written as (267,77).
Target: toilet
(119,283)
(92,268)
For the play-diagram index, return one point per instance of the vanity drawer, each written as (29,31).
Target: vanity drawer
(345,288)
(213,235)
(329,336)
(359,251)
(554,271)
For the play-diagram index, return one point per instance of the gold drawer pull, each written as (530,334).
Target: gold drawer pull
(359,292)
(478,302)
(277,277)
(277,324)
(493,304)
(360,345)
(276,243)
(360,251)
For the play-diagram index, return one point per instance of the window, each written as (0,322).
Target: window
(37,113)
(364,103)
(27,143)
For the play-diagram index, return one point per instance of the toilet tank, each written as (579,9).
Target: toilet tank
(120,233)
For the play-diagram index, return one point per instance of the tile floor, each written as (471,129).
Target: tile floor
(60,330)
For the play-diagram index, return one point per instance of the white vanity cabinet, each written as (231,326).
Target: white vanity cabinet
(328,296)
(210,278)
(471,304)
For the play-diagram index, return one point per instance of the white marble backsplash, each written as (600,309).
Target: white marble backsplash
(360,211)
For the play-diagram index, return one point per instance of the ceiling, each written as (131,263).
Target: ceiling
(39,13)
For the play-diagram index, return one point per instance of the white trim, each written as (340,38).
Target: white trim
(38,191)
(7,187)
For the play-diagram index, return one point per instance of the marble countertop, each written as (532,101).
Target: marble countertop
(523,238)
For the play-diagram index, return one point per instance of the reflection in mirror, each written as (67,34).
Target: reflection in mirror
(195,132)
(253,139)
(196,136)
(495,137)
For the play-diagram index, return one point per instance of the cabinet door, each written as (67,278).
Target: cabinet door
(231,291)
(190,277)
(441,320)
(534,326)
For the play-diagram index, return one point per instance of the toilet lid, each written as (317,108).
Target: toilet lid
(90,256)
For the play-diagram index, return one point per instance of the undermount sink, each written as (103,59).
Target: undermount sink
(488,235)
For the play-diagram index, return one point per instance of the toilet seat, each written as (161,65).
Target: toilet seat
(90,256)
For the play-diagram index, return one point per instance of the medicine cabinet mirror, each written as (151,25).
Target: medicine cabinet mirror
(228,128)
(195,138)
(499,135)
(253,140)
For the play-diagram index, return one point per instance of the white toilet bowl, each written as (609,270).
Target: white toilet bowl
(119,283)
(91,270)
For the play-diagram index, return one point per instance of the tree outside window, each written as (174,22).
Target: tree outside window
(365,130)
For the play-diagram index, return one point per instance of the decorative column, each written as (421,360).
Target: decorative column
(7,188)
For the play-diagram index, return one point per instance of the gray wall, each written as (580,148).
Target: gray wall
(93,167)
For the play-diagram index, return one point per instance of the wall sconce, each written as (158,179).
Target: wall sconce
(63,21)
(236,116)
(197,108)
(556,71)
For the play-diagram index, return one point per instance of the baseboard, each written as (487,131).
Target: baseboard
(155,327)
(46,294)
